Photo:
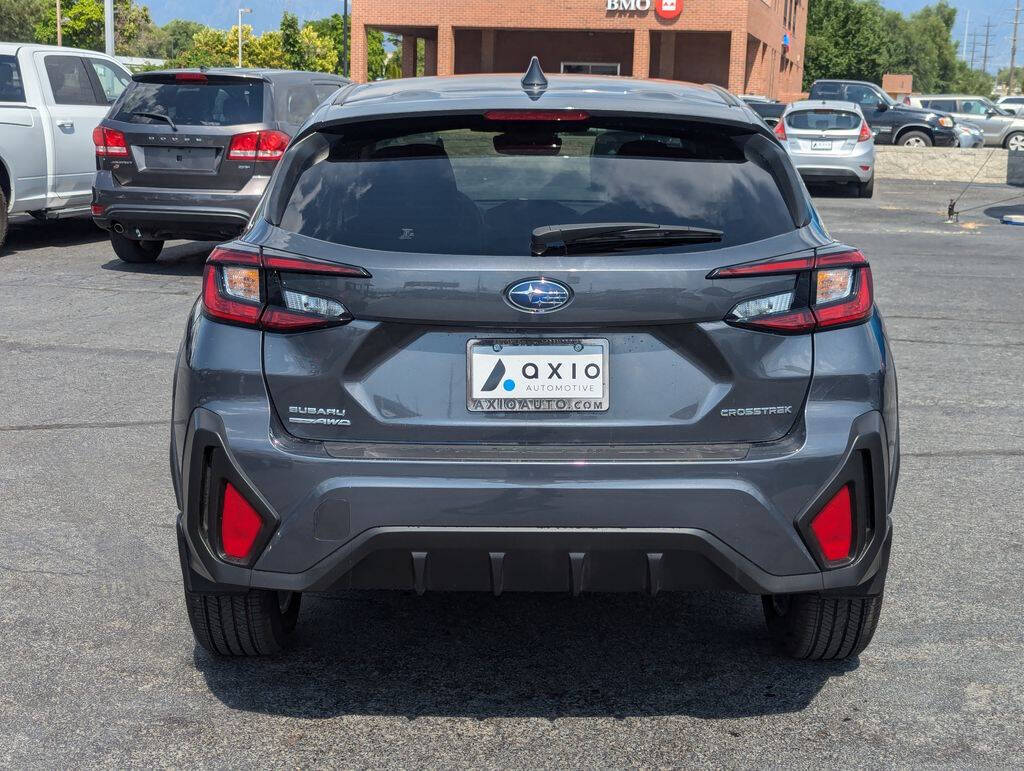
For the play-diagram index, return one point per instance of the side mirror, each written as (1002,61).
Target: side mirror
(989,112)
(882,106)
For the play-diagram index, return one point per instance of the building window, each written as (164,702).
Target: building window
(590,68)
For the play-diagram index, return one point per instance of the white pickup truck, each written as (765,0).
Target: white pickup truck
(50,101)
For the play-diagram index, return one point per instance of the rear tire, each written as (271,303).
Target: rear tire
(818,627)
(254,623)
(866,189)
(1015,141)
(134,251)
(915,139)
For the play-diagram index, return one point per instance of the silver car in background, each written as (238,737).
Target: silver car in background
(1002,126)
(829,141)
(969,135)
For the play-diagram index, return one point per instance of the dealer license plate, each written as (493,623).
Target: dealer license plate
(549,375)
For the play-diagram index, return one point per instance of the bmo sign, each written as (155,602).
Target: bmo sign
(666,9)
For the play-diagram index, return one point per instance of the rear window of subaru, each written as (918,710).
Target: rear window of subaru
(469,185)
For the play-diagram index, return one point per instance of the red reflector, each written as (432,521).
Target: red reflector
(240,524)
(97,209)
(780,130)
(538,115)
(193,76)
(833,526)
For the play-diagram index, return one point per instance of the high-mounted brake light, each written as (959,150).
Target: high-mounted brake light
(244,288)
(240,524)
(537,115)
(833,526)
(195,77)
(780,130)
(110,143)
(865,132)
(258,146)
(841,293)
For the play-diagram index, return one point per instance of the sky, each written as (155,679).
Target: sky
(267,15)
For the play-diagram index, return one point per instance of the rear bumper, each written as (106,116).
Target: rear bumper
(162,214)
(817,169)
(534,526)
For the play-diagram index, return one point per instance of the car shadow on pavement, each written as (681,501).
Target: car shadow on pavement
(832,191)
(25,234)
(998,212)
(182,259)
(548,656)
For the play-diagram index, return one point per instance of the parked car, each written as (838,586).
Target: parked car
(50,101)
(769,109)
(829,142)
(1002,127)
(891,122)
(969,135)
(187,153)
(485,334)
(1015,103)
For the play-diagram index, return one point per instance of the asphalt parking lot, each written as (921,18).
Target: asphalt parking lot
(97,662)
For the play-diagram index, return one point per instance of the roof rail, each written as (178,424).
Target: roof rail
(730,99)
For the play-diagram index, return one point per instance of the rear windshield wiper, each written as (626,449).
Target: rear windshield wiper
(610,236)
(157,116)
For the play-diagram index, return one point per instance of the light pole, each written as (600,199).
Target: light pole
(108,26)
(240,12)
(344,41)
(59,36)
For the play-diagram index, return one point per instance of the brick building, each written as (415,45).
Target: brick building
(747,46)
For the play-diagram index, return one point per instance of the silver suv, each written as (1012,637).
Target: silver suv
(1002,126)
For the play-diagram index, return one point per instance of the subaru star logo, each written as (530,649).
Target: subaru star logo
(538,295)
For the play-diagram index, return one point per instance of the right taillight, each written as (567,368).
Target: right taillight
(110,143)
(865,132)
(247,289)
(258,146)
(780,130)
(831,290)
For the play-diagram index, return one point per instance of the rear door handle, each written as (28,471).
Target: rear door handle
(65,124)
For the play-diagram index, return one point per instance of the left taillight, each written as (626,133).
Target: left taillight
(110,143)
(258,146)
(247,289)
(831,290)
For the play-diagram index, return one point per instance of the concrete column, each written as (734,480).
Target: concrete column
(429,56)
(445,50)
(358,53)
(667,56)
(641,53)
(408,56)
(487,41)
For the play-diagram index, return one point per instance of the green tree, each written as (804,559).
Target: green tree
(83,25)
(18,19)
(211,48)
(968,81)
(333,28)
(376,56)
(264,51)
(291,41)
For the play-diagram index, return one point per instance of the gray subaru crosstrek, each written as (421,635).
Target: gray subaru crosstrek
(492,333)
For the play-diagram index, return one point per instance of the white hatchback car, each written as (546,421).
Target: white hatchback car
(829,141)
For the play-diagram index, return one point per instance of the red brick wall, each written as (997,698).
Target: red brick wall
(734,20)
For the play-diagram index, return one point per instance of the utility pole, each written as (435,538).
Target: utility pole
(344,41)
(108,26)
(60,38)
(984,56)
(1013,47)
(974,46)
(240,12)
